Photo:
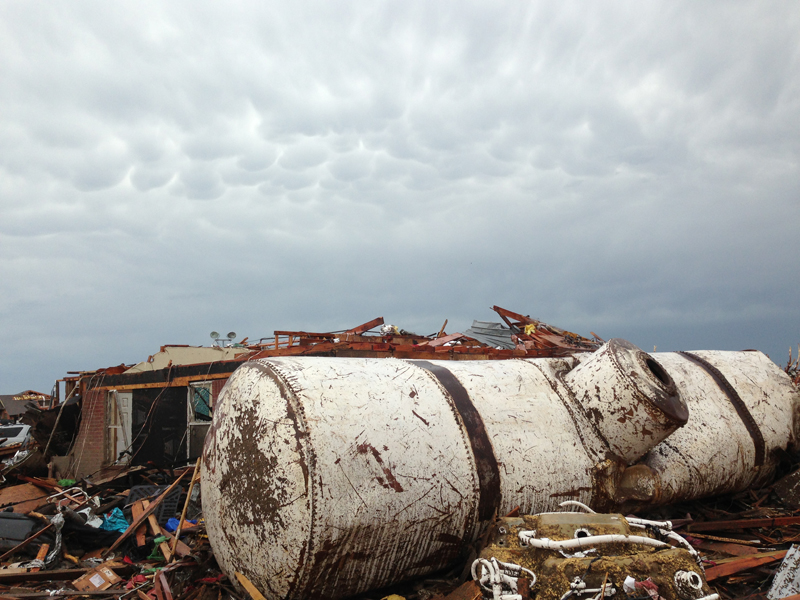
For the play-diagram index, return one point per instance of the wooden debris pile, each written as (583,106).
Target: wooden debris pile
(136,534)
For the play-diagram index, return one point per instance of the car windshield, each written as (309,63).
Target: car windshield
(10,432)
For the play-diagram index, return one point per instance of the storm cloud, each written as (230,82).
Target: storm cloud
(171,168)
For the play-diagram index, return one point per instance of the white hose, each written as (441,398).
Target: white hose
(580,505)
(689,548)
(526,538)
(647,522)
(502,576)
(667,532)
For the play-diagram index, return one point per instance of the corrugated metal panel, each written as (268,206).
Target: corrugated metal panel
(496,335)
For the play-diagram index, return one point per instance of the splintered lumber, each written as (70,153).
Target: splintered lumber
(195,477)
(716,538)
(743,524)
(155,529)
(248,585)
(725,548)
(142,517)
(729,566)
(162,586)
(181,549)
(366,326)
(15,594)
(137,508)
(8,576)
(48,484)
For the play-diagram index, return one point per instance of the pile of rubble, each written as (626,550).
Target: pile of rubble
(141,534)
(138,533)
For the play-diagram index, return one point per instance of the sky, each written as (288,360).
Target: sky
(172,168)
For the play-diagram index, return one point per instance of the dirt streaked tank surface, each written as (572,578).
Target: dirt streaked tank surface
(327,477)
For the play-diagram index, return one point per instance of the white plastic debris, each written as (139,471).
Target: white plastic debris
(787,579)
(629,585)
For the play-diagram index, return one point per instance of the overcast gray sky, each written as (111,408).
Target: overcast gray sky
(171,168)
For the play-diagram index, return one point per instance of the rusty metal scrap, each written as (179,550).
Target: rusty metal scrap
(526,337)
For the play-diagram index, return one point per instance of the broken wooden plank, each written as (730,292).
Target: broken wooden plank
(25,576)
(366,326)
(48,484)
(716,538)
(156,530)
(41,555)
(729,566)
(725,548)
(442,340)
(165,590)
(195,477)
(15,594)
(181,549)
(743,524)
(247,585)
(137,508)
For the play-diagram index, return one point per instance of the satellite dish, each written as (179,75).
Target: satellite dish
(232,335)
(214,335)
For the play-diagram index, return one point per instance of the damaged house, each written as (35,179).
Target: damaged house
(13,406)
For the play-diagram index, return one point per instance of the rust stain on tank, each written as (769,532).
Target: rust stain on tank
(391,481)
(420,418)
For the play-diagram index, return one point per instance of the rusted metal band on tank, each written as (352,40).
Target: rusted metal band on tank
(485,461)
(738,404)
(307,462)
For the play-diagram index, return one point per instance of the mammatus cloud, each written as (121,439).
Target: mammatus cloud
(169,170)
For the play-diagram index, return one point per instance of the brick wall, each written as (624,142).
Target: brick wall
(89,450)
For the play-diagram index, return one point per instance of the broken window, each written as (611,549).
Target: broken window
(200,401)
(159,425)
(200,409)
